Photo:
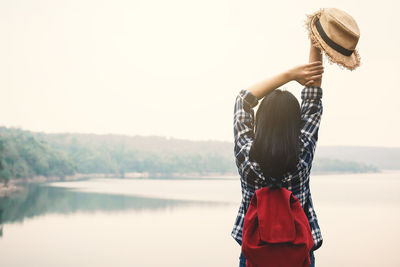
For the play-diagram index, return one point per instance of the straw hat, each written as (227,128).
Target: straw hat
(336,33)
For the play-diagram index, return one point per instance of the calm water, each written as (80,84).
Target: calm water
(138,222)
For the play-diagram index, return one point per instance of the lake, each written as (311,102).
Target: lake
(178,222)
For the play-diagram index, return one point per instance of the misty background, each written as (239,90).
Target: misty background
(116,130)
(173,68)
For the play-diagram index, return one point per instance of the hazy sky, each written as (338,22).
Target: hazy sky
(174,68)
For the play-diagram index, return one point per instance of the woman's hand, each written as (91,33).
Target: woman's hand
(307,74)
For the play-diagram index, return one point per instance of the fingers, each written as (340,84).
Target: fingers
(309,83)
(318,67)
(310,80)
(316,72)
(309,73)
(315,67)
(314,63)
(316,77)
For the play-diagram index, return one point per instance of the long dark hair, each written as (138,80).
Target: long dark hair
(277,129)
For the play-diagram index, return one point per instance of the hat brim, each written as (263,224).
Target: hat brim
(349,62)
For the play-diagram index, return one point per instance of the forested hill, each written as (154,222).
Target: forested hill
(25,154)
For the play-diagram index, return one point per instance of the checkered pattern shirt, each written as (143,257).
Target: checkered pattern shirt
(297,181)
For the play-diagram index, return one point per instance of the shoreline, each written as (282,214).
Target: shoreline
(7,190)
(14,184)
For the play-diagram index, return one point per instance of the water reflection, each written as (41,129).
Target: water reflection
(40,199)
(104,222)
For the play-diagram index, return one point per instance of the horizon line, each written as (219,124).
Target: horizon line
(173,137)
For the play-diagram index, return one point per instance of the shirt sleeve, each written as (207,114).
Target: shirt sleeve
(311,112)
(243,126)
(243,120)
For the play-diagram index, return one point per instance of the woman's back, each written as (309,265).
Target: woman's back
(297,180)
(287,136)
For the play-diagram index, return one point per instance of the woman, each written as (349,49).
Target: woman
(281,148)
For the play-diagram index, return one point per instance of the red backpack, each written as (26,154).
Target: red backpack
(276,232)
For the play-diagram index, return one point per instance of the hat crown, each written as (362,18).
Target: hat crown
(343,19)
(340,27)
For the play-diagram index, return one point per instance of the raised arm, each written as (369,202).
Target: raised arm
(315,55)
(246,100)
(306,74)
(311,111)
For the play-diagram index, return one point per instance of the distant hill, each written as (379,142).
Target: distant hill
(381,157)
(25,153)
(221,152)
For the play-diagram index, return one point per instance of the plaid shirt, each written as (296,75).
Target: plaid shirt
(297,181)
